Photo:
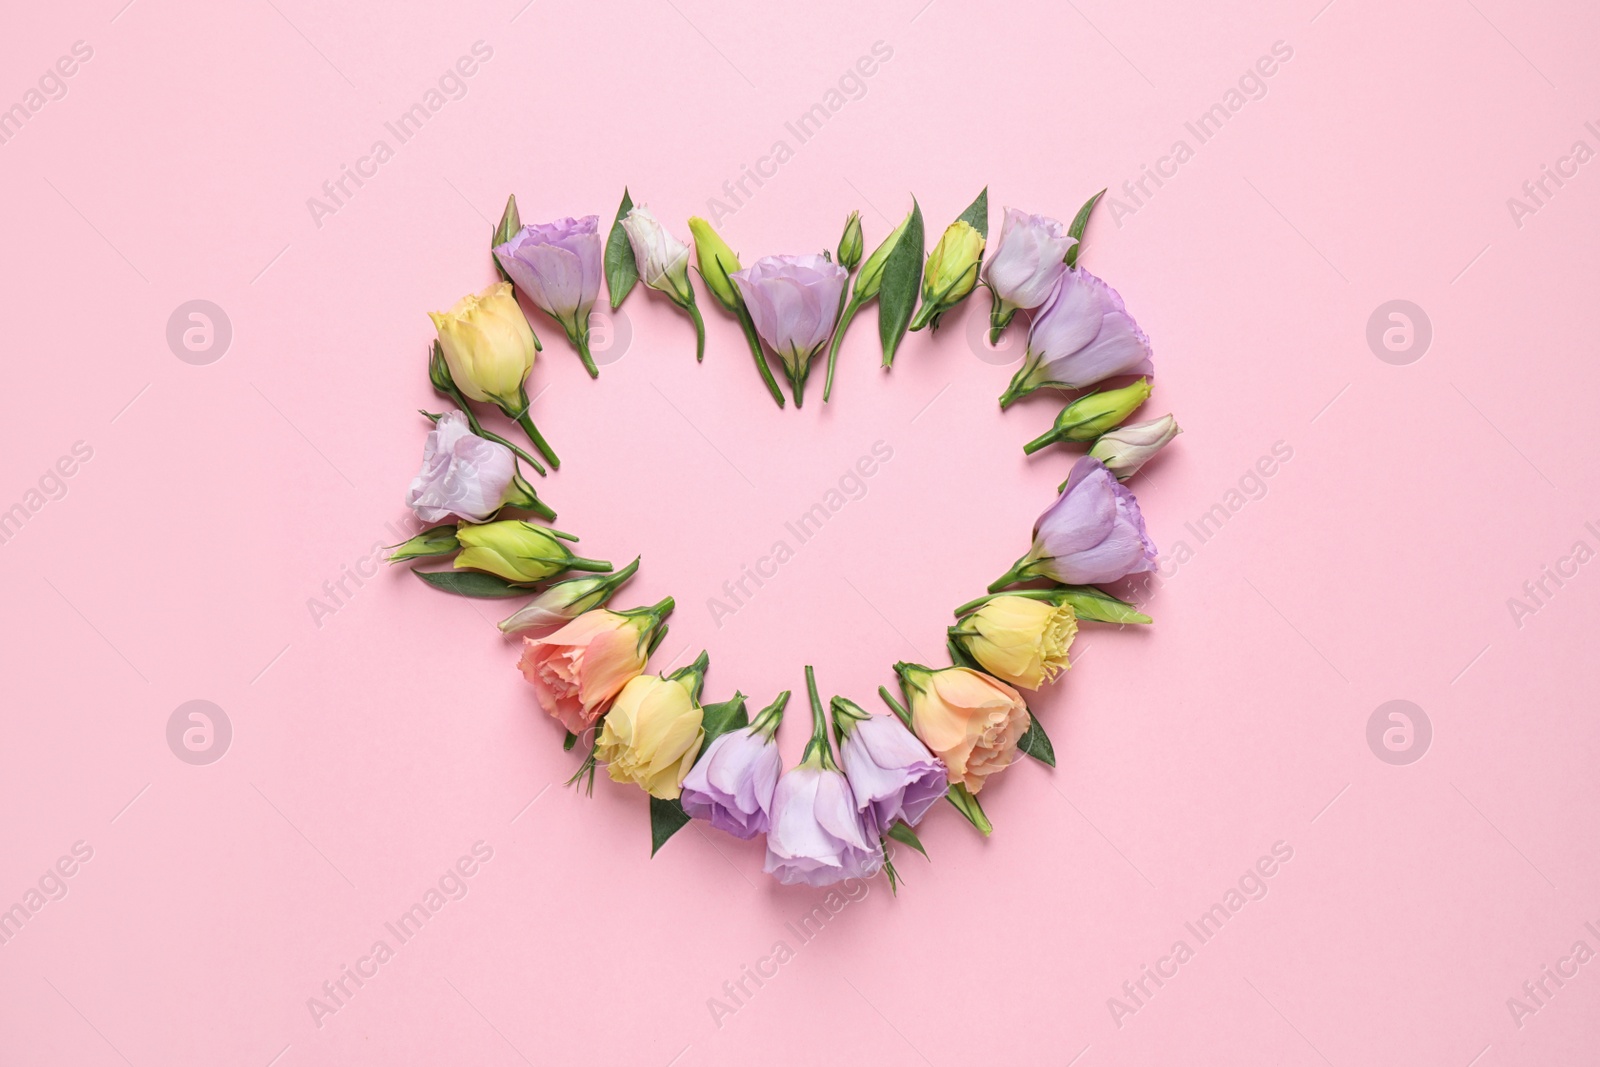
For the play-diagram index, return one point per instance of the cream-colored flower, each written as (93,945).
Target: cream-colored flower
(652,734)
(1019,639)
(488,344)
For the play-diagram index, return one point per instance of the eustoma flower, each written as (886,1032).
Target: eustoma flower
(1127,448)
(970,720)
(818,836)
(732,784)
(653,731)
(489,349)
(892,774)
(557,264)
(717,262)
(1026,264)
(663,263)
(1018,639)
(951,272)
(1092,533)
(520,551)
(561,602)
(1083,335)
(577,671)
(794,301)
(467,477)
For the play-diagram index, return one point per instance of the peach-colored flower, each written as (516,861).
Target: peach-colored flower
(578,671)
(970,720)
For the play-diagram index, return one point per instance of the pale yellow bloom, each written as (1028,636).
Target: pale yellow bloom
(952,268)
(488,344)
(1018,639)
(652,735)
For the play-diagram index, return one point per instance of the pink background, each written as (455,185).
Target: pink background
(371,751)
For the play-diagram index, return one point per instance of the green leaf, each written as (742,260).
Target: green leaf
(1036,744)
(667,817)
(510,223)
(906,836)
(977,213)
(723,718)
(622,272)
(902,277)
(968,805)
(472,583)
(1090,603)
(1080,222)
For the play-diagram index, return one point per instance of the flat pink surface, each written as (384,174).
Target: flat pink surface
(377,743)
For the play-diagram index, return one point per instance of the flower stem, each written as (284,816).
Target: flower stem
(699,331)
(999,318)
(1010,577)
(579,563)
(581,339)
(750,335)
(838,338)
(819,750)
(523,419)
(1044,440)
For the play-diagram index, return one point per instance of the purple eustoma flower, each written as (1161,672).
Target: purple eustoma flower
(1081,336)
(732,784)
(1026,265)
(1093,533)
(818,836)
(465,476)
(794,303)
(557,264)
(892,774)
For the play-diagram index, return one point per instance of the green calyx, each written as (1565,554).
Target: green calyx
(694,675)
(819,751)
(766,723)
(846,715)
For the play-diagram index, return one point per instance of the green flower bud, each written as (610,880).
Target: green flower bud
(850,242)
(1090,416)
(871,277)
(716,261)
(519,551)
(439,541)
(951,272)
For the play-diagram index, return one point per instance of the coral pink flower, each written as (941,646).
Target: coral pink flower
(578,671)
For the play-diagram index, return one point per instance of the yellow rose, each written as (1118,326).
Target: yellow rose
(653,733)
(1019,639)
(488,344)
